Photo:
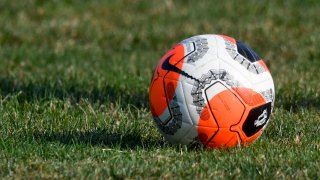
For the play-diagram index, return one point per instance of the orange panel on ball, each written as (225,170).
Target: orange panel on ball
(224,139)
(223,110)
(161,89)
(207,126)
(226,108)
(249,96)
(205,133)
(157,97)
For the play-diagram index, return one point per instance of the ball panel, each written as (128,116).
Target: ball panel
(203,44)
(207,119)
(249,96)
(224,138)
(234,141)
(239,74)
(157,97)
(157,93)
(247,52)
(192,109)
(205,133)
(181,102)
(203,67)
(164,117)
(172,57)
(176,113)
(226,108)
(214,89)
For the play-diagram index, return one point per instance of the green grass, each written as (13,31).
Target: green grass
(74,78)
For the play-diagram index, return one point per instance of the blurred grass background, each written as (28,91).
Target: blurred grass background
(74,78)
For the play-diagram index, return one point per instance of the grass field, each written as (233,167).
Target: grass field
(74,79)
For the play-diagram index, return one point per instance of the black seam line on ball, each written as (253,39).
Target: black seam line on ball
(215,133)
(240,100)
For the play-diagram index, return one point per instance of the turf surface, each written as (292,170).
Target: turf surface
(74,78)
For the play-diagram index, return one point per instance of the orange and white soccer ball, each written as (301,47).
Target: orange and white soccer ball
(211,90)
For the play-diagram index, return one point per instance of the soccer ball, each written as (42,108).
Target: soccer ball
(211,90)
